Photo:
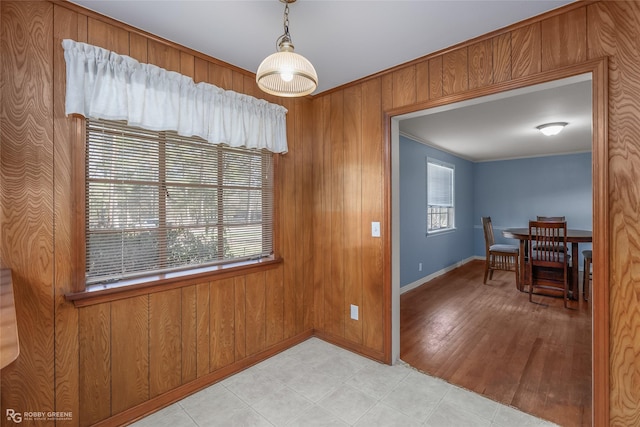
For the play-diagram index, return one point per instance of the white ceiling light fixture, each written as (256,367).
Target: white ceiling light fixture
(285,73)
(550,129)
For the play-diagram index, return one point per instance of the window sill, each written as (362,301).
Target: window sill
(97,294)
(441,232)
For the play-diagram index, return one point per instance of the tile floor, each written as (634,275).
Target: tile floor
(318,384)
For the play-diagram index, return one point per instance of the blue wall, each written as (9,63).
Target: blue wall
(435,251)
(510,191)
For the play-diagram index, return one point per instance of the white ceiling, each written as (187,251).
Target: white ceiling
(344,40)
(351,39)
(503,126)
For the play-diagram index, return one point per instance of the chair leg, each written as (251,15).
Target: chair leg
(486,271)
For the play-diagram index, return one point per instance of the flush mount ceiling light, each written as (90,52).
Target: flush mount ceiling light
(285,73)
(550,129)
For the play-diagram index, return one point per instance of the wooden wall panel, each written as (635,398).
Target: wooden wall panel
(203,329)
(108,36)
(320,226)
(220,76)
(526,51)
(189,327)
(564,39)
(404,86)
(501,46)
(163,56)
(480,64)
(307,194)
(240,319)
(138,47)
(422,81)
(129,352)
(301,235)
(165,341)
(372,210)
(274,307)
(614,31)
(65,25)
(224,324)
(94,336)
(255,329)
(26,162)
(435,77)
(334,304)
(455,75)
(353,208)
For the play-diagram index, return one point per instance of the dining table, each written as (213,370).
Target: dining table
(574,236)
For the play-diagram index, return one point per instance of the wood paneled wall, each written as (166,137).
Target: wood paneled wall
(353,192)
(103,360)
(117,360)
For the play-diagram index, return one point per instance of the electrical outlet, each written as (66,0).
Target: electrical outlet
(354,312)
(419,266)
(375,229)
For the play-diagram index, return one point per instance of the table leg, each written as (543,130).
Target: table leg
(575,291)
(523,274)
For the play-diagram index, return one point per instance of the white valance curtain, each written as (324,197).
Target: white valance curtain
(102,84)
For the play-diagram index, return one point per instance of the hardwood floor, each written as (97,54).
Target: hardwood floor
(491,340)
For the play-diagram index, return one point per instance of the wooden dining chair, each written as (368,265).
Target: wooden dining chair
(498,256)
(550,218)
(548,259)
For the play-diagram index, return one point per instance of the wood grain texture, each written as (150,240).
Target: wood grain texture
(455,75)
(616,35)
(501,47)
(240,318)
(422,81)
(26,162)
(255,329)
(319,249)
(203,329)
(307,281)
(372,210)
(435,77)
(94,336)
(480,64)
(500,345)
(165,341)
(353,210)
(163,56)
(107,36)
(404,86)
(189,327)
(129,353)
(274,307)
(65,25)
(526,51)
(301,235)
(224,323)
(334,300)
(564,39)
(138,48)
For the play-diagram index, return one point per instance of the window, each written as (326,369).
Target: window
(440,209)
(159,202)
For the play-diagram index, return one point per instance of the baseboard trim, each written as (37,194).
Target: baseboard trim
(150,406)
(424,280)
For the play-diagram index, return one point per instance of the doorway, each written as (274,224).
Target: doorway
(597,71)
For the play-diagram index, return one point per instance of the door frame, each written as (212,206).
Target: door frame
(598,68)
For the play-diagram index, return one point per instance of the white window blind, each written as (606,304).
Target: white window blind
(440,195)
(159,202)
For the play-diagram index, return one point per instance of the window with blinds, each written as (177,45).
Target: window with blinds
(159,202)
(440,195)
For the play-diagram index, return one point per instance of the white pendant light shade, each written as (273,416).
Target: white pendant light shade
(286,73)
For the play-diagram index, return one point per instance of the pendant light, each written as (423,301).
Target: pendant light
(285,73)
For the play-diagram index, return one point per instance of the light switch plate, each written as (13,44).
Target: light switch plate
(354,312)
(375,229)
